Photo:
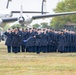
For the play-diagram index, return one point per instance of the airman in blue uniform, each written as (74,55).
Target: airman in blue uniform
(23,46)
(8,40)
(61,42)
(44,41)
(16,41)
(0,37)
(38,41)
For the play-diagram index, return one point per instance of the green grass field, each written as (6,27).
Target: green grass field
(36,64)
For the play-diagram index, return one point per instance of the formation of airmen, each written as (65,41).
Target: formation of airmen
(40,40)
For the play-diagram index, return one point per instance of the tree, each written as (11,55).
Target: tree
(18,25)
(64,6)
(6,27)
(36,25)
(44,25)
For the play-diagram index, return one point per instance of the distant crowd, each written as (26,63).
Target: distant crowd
(40,40)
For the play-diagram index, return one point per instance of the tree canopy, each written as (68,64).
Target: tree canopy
(41,25)
(36,25)
(64,6)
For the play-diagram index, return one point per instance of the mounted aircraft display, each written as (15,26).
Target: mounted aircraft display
(6,16)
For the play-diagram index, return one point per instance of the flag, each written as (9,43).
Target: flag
(27,39)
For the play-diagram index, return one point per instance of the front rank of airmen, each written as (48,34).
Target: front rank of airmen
(40,40)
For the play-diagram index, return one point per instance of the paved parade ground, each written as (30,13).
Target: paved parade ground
(36,64)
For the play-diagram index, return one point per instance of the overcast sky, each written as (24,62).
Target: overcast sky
(29,5)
